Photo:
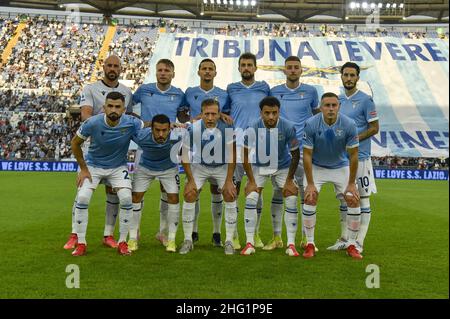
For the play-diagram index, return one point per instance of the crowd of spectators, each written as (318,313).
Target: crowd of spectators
(134,46)
(36,136)
(7,31)
(394,162)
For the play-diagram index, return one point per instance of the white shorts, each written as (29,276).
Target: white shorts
(337,176)
(365,178)
(115,177)
(137,158)
(278,177)
(169,179)
(215,175)
(85,150)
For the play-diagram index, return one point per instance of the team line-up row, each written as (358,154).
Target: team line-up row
(333,136)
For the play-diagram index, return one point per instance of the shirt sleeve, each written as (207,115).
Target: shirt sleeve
(308,136)
(85,130)
(371,112)
(352,136)
(183,106)
(86,97)
(292,139)
(137,96)
(315,99)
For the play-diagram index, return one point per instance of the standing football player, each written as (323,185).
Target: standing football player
(360,107)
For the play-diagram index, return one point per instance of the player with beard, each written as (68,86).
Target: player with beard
(91,102)
(245,96)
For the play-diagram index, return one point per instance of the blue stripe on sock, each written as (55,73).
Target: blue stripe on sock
(250,207)
(291,211)
(309,214)
(365,210)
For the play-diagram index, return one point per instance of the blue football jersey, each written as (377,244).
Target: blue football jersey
(209,147)
(330,143)
(154,101)
(244,102)
(361,109)
(155,156)
(297,105)
(109,145)
(196,95)
(265,142)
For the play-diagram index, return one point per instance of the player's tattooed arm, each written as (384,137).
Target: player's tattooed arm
(373,129)
(290,189)
(78,153)
(190,189)
(351,190)
(311,192)
(229,189)
(251,183)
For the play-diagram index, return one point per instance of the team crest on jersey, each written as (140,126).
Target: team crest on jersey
(196,97)
(172,97)
(103,93)
(280,136)
(339,132)
(355,104)
(216,98)
(302,95)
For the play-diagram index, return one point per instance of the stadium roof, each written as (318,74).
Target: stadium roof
(345,11)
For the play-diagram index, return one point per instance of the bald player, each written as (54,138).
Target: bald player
(91,102)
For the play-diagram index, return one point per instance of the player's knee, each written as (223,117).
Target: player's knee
(291,203)
(190,198)
(310,201)
(125,197)
(173,198)
(84,196)
(252,199)
(352,201)
(137,197)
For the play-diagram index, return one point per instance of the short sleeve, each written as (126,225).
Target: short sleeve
(352,136)
(308,136)
(371,112)
(183,103)
(292,139)
(315,99)
(137,95)
(86,98)
(85,130)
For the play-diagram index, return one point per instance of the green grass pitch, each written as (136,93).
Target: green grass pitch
(408,240)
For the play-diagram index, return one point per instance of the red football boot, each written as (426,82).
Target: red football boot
(109,241)
(80,250)
(310,251)
(72,242)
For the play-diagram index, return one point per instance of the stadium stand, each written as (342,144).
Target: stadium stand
(54,58)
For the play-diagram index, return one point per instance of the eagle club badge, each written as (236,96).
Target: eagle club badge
(339,132)
(302,95)
(355,104)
